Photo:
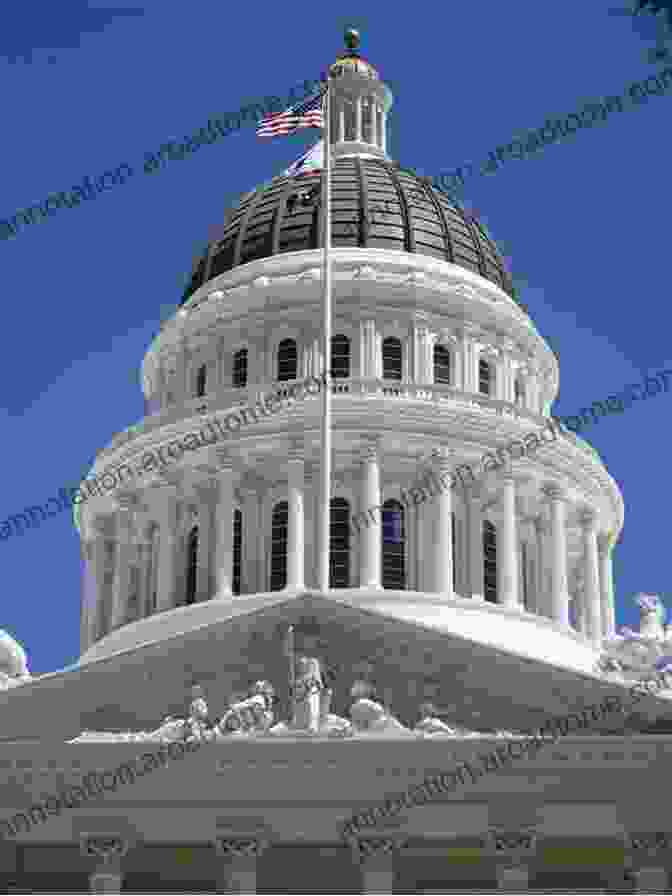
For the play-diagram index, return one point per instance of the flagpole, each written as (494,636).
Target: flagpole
(325,458)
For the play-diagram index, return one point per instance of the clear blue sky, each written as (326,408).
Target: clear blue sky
(585,222)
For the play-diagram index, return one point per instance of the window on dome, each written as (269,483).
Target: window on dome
(394,546)
(279,533)
(340,357)
(339,550)
(350,119)
(237,549)
(192,567)
(240,368)
(442,361)
(392,358)
(489,562)
(485,378)
(201,379)
(367,112)
(287,360)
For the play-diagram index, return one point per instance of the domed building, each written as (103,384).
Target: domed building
(469,599)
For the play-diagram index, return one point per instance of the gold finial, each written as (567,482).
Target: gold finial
(352,39)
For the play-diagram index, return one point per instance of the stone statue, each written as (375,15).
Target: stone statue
(252,715)
(430,724)
(307,700)
(13,663)
(634,655)
(370,717)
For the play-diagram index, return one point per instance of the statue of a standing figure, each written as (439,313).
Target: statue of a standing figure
(307,697)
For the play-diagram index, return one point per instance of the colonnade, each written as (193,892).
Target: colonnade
(131,576)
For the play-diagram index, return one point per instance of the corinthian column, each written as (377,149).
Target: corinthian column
(442,548)
(507,556)
(168,526)
(591,575)
(206,491)
(125,556)
(295,535)
(371,537)
(475,541)
(96,575)
(559,590)
(224,525)
(604,548)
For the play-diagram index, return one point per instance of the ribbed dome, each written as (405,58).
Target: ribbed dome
(374,205)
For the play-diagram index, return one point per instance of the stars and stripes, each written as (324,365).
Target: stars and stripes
(312,160)
(306,114)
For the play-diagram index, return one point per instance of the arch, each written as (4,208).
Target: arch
(192,567)
(442,365)
(340,357)
(485,377)
(394,545)
(287,360)
(279,535)
(489,562)
(339,550)
(201,380)
(239,378)
(237,549)
(392,358)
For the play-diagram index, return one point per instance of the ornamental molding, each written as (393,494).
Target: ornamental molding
(649,842)
(240,847)
(103,846)
(517,843)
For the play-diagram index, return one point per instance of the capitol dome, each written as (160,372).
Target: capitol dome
(13,661)
(375,205)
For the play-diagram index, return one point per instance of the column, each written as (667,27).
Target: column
(375,856)
(168,526)
(124,559)
(442,545)
(224,526)
(650,880)
(144,564)
(370,553)
(591,576)
(475,541)
(541,601)
(107,876)
(295,499)
(515,878)
(383,135)
(206,491)
(422,369)
(507,546)
(469,368)
(558,559)
(604,549)
(358,119)
(317,356)
(241,870)
(251,541)
(368,367)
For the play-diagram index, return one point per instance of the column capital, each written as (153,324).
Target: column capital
(588,517)
(554,492)
(241,847)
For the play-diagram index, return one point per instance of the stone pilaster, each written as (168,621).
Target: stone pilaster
(296,519)
(126,554)
(371,533)
(442,546)
(507,546)
(224,524)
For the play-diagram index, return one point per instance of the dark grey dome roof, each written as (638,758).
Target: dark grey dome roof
(374,204)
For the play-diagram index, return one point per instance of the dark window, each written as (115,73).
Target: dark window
(237,549)
(339,548)
(201,380)
(287,360)
(192,566)
(442,365)
(391,358)
(489,562)
(484,378)
(340,357)
(394,544)
(279,531)
(240,368)
(523,570)
(519,389)
(152,571)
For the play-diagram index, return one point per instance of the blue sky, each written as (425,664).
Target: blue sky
(585,223)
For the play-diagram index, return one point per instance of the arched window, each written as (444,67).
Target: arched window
(287,360)
(279,531)
(394,545)
(237,549)
(340,357)
(201,378)
(519,391)
(192,566)
(489,562)
(391,358)
(339,550)
(240,368)
(442,359)
(485,383)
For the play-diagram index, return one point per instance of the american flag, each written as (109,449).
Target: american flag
(306,114)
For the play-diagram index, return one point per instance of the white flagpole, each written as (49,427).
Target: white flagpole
(324,525)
